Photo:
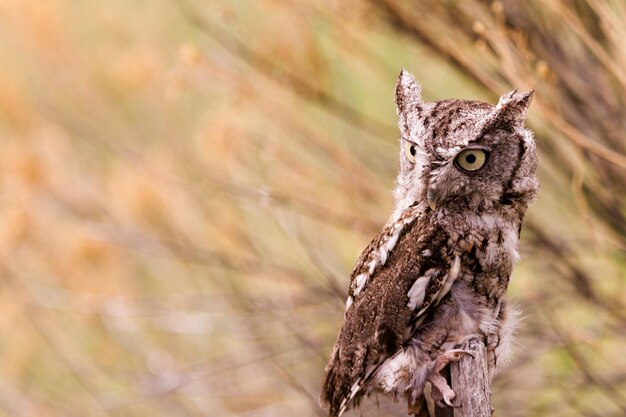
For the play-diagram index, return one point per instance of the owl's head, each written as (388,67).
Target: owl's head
(464,155)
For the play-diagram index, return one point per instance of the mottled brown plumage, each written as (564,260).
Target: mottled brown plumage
(437,273)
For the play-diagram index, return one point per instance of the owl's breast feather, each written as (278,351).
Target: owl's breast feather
(490,253)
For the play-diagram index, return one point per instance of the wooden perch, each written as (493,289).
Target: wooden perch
(469,379)
(470,382)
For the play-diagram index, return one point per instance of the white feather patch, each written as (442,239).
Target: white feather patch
(382,252)
(387,375)
(391,243)
(360,281)
(406,369)
(511,243)
(453,273)
(372,266)
(355,388)
(349,302)
(417,292)
(507,332)
(448,152)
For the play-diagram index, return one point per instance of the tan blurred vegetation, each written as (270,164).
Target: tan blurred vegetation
(186,185)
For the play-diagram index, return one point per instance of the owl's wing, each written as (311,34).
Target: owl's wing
(377,252)
(439,269)
(384,307)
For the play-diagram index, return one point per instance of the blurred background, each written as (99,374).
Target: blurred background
(185,186)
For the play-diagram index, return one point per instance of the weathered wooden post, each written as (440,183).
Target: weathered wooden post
(470,382)
(469,379)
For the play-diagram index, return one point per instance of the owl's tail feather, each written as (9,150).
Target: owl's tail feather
(329,394)
(354,390)
(338,393)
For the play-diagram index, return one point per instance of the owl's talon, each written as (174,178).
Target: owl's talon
(442,393)
(444,404)
(441,390)
(462,352)
(444,401)
(452,355)
(448,397)
(449,403)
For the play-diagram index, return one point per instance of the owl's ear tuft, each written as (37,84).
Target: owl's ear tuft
(512,108)
(408,103)
(408,94)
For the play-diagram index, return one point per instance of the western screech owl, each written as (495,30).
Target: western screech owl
(437,273)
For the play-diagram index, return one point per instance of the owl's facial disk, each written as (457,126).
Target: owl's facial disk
(464,154)
(495,169)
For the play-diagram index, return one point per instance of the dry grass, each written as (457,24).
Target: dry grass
(185,186)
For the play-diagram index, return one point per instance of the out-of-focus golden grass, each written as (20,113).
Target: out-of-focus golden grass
(185,186)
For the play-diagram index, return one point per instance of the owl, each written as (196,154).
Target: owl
(436,275)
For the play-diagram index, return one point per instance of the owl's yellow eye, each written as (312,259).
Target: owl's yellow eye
(471,160)
(410,151)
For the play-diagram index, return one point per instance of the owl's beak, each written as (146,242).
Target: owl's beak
(431,197)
